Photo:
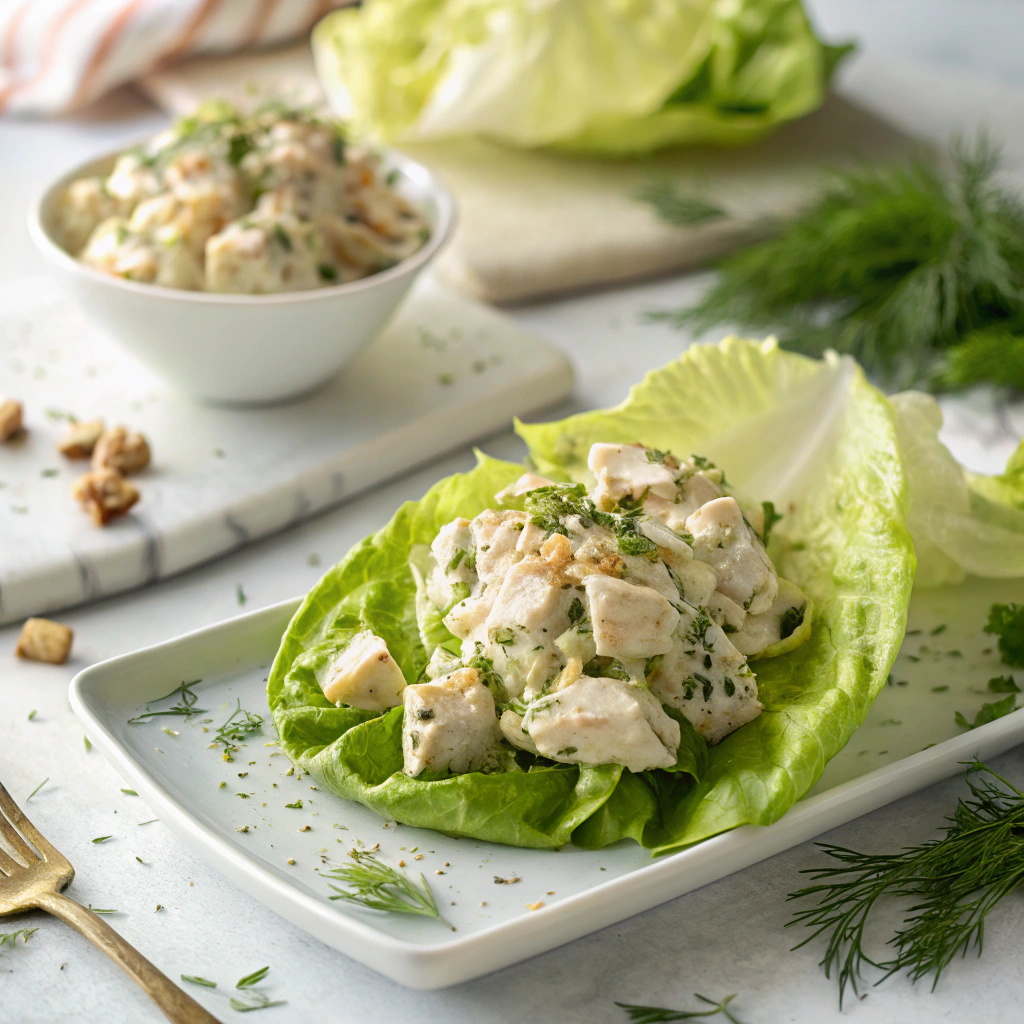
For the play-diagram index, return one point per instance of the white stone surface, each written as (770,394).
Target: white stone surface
(727,937)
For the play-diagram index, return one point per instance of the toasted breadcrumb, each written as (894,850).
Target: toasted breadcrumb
(43,640)
(10,418)
(104,494)
(125,450)
(80,439)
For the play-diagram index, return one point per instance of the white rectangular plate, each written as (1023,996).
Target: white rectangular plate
(198,796)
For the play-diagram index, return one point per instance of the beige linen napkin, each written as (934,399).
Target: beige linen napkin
(533,223)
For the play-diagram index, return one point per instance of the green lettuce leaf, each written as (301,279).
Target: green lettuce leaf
(961,522)
(820,442)
(604,78)
(810,435)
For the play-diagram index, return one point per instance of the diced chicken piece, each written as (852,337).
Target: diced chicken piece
(454,551)
(131,181)
(115,249)
(629,469)
(782,621)
(696,581)
(602,721)
(449,724)
(706,678)
(442,662)
(43,640)
(467,617)
(104,494)
(84,204)
(514,731)
(364,675)
(257,256)
(361,249)
(667,539)
(496,536)
(526,483)
(723,540)
(531,537)
(208,187)
(726,613)
(629,621)
(693,491)
(11,422)
(80,439)
(121,449)
(532,600)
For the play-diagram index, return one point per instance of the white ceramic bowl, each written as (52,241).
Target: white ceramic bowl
(247,349)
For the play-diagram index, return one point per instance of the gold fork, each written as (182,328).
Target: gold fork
(34,875)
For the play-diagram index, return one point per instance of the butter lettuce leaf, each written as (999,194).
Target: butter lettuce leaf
(606,78)
(812,436)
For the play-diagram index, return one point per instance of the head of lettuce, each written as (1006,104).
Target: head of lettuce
(605,77)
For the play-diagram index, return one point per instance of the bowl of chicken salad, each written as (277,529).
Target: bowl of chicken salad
(626,639)
(246,257)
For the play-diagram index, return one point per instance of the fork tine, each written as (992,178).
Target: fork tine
(14,826)
(8,865)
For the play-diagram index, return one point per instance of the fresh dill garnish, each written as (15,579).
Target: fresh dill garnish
(36,790)
(101,839)
(102,910)
(915,271)
(989,712)
(259,1000)
(378,886)
(32,714)
(1007,622)
(252,979)
(186,709)
(129,792)
(953,883)
(240,594)
(658,1015)
(674,206)
(194,979)
(11,938)
(240,723)
(771,517)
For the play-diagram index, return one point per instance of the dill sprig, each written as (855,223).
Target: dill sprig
(658,1015)
(953,881)
(379,886)
(11,938)
(674,206)
(240,723)
(915,271)
(185,709)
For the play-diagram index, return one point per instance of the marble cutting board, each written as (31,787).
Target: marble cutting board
(444,372)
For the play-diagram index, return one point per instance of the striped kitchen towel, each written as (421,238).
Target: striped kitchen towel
(56,55)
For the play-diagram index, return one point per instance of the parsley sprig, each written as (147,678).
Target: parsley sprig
(952,882)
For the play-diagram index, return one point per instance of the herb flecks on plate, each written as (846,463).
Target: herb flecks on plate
(240,724)
(953,883)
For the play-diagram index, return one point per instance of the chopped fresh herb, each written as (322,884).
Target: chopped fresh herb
(60,414)
(281,237)
(988,712)
(658,1015)
(240,723)
(566,751)
(194,979)
(11,938)
(698,631)
(150,822)
(792,619)
(239,147)
(379,887)
(1003,684)
(504,636)
(129,792)
(240,594)
(100,910)
(392,176)
(771,517)
(252,979)
(36,790)
(1007,622)
(297,805)
(950,883)
(32,714)
(939,689)
(445,378)
(88,744)
(260,1002)
(939,629)
(185,709)
(326,272)
(50,472)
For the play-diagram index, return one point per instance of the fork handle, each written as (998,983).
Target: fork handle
(176,1005)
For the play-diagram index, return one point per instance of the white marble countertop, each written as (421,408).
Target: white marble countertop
(727,937)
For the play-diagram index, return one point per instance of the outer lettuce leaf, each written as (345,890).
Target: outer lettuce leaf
(820,442)
(961,522)
(617,77)
(812,436)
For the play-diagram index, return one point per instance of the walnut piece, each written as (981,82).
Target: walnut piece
(104,494)
(80,439)
(10,418)
(43,640)
(121,449)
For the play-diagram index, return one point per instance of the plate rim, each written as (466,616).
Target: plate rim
(442,964)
